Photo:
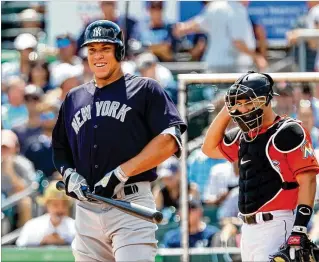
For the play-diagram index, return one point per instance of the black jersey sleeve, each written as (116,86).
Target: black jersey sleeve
(62,154)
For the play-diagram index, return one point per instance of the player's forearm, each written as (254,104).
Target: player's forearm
(216,132)
(158,150)
(307,189)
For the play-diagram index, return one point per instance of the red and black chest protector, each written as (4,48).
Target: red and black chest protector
(258,181)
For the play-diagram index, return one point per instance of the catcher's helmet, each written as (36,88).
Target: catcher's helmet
(255,89)
(106,31)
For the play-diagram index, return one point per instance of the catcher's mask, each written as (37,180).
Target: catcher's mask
(245,100)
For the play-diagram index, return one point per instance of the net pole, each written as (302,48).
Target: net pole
(182,107)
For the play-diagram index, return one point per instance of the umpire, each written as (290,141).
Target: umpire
(110,135)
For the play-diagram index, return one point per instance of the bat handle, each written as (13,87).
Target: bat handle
(158,217)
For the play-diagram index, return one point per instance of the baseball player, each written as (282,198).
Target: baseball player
(110,135)
(277,168)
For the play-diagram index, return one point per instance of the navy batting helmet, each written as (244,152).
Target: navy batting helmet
(257,90)
(105,31)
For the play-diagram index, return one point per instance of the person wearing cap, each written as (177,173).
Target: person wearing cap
(14,113)
(167,193)
(200,234)
(155,33)
(17,174)
(54,227)
(147,66)
(25,44)
(30,18)
(66,45)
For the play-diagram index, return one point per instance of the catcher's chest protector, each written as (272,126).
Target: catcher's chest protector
(258,181)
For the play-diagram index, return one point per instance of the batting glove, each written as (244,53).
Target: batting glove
(111,183)
(74,184)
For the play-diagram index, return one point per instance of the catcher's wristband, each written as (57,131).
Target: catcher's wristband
(303,216)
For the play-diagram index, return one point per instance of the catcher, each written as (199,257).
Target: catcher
(277,171)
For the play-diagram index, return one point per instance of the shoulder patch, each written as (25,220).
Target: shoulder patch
(289,137)
(232,136)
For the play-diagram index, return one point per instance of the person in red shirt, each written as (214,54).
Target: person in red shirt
(277,168)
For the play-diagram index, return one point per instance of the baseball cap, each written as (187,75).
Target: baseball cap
(25,41)
(145,60)
(168,168)
(64,71)
(52,193)
(33,91)
(29,15)
(9,138)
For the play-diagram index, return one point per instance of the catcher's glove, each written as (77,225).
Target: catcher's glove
(298,248)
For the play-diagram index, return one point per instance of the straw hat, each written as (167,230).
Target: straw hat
(52,193)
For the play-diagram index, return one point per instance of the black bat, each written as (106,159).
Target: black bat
(133,209)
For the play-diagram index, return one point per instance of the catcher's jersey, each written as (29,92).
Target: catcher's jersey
(289,165)
(98,129)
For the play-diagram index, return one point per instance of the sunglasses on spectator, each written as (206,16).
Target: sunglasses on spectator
(31,98)
(63,42)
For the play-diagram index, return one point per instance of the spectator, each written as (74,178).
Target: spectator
(39,149)
(304,22)
(223,178)
(26,45)
(284,103)
(147,66)
(52,228)
(15,112)
(17,173)
(305,114)
(32,128)
(200,234)
(66,77)
(307,94)
(110,13)
(167,194)
(199,166)
(87,73)
(231,43)
(40,75)
(30,18)
(66,54)
(155,33)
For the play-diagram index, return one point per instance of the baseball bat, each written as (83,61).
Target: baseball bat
(133,209)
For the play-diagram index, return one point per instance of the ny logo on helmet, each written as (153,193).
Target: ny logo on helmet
(97,32)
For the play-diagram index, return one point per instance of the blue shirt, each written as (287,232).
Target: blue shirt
(98,129)
(172,239)
(152,35)
(14,116)
(199,166)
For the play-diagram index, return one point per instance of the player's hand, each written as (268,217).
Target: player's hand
(74,184)
(111,183)
(296,247)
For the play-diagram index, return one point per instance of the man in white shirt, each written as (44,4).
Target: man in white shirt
(231,42)
(52,228)
(223,178)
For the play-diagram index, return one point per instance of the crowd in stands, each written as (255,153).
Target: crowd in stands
(33,89)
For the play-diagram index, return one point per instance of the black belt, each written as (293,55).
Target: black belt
(252,218)
(129,190)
